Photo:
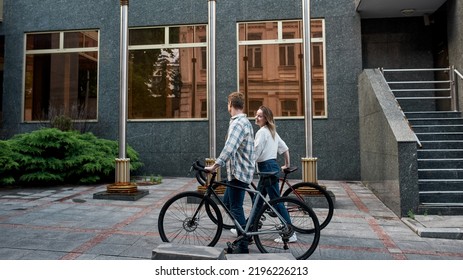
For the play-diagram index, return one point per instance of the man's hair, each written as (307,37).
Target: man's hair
(236,100)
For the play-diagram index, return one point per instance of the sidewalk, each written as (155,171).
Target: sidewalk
(66,223)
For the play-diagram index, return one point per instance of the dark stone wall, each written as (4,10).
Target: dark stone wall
(168,147)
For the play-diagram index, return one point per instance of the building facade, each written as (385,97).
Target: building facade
(63,58)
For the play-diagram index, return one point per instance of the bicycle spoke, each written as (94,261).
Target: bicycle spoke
(177,225)
(304,225)
(316,197)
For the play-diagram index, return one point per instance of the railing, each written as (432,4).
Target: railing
(456,74)
(430,89)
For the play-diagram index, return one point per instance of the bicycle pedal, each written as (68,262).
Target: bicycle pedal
(230,248)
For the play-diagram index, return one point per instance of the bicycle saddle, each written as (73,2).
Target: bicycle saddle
(290,169)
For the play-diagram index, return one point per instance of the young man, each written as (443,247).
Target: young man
(237,155)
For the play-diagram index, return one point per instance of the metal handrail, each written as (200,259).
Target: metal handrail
(412,69)
(458,73)
(451,82)
(453,91)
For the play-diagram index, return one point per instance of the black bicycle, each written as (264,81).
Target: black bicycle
(314,195)
(195,219)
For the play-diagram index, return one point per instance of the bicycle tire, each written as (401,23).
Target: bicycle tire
(304,223)
(323,210)
(175,224)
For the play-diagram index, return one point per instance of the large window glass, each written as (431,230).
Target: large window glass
(61,75)
(2,51)
(167,72)
(271,69)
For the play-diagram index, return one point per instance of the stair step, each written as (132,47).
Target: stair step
(432,114)
(440,173)
(455,197)
(440,163)
(442,145)
(440,185)
(437,136)
(423,105)
(435,121)
(439,153)
(437,128)
(440,209)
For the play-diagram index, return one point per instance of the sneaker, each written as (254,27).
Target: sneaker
(234,232)
(240,250)
(292,239)
(237,247)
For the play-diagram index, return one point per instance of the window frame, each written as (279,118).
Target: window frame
(60,50)
(281,41)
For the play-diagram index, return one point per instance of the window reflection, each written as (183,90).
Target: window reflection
(169,83)
(271,71)
(61,82)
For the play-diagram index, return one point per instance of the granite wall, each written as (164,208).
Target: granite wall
(455,41)
(387,146)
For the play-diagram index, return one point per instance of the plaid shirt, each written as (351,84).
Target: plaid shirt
(238,152)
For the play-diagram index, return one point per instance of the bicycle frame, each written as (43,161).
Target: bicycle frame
(284,181)
(210,191)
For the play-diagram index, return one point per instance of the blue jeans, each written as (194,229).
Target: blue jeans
(233,198)
(269,185)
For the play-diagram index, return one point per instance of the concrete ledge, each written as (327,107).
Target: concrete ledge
(282,256)
(169,251)
(431,227)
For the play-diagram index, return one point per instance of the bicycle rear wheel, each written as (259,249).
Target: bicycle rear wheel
(316,197)
(184,220)
(272,238)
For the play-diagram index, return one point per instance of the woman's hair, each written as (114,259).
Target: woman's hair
(269,117)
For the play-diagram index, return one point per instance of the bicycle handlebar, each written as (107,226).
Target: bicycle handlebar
(200,170)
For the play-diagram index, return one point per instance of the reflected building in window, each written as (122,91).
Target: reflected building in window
(271,67)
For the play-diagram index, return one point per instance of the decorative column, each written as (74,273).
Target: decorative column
(309,163)
(122,163)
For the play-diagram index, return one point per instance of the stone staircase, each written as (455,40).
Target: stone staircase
(440,161)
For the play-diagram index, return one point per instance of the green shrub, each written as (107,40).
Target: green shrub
(8,165)
(61,122)
(54,156)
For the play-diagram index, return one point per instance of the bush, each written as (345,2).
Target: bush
(54,156)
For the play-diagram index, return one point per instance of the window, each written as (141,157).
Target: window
(167,77)
(253,107)
(254,52)
(61,75)
(289,108)
(2,52)
(271,70)
(287,51)
(287,55)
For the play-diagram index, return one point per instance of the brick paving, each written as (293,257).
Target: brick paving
(66,223)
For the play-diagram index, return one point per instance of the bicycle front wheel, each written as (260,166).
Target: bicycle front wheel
(184,220)
(316,197)
(300,238)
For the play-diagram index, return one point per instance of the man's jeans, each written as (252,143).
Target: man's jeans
(233,198)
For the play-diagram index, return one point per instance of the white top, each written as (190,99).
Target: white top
(266,147)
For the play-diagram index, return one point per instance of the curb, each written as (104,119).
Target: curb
(434,232)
